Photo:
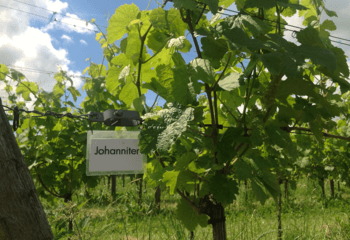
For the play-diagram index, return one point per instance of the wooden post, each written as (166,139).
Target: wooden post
(113,185)
(157,200)
(279,215)
(331,183)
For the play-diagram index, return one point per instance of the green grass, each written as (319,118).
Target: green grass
(305,216)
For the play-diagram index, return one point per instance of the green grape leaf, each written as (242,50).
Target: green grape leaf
(212,4)
(144,21)
(201,69)
(224,194)
(129,93)
(156,39)
(186,46)
(309,36)
(295,86)
(168,19)
(266,4)
(97,70)
(17,76)
(291,5)
(342,65)
(231,81)
(253,25)
(330,13)
(139,103)
(344,84)
(258,192)
(163,133)
(214,49)
(170,179)
(243,170)
(120,20)
(75,93)
(270,183)
(3,71)
(189,217)
(178,60)
(176,85)
(112,78)
(154,173)
(58,89)
(187,4)
(26,88)
(184,160)
(193,167)
(133,46)
(278,137)
(238,39)
(272,61)
(225,3)
(328,24)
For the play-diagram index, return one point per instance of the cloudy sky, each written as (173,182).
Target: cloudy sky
(32,42)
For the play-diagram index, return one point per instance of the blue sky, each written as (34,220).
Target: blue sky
(35,45)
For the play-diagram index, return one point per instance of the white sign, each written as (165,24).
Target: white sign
(114,153)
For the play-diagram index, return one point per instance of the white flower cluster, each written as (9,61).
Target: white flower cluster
(176,42)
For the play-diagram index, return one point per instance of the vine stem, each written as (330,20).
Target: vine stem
(143,39)
(223,72)
(157,52)
(47,189)
(208,90)
(188,21)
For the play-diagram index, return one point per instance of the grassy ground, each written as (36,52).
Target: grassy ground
(305,216)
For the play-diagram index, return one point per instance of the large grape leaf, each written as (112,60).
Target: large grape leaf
(133,46)
(238,39)
(3,71)
(170,180)
(295,6)
(156,39)
(129,93)
(26,88)
(309,36)
(225,3)
(175,84)
(213,48)
(224,194)
(212,4)
(231,81)
(162,133)
(187,4)
(189,217)
(272,61)
(252,25)
(258,191)
(154,173)
(266,4)
(201,69)
(120,20)
(278,137)
(168,19)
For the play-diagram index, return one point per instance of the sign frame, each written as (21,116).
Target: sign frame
(105,135)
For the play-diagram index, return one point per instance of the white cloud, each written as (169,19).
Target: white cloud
(71,23)
(26,48)
(56,6)
(67,38)
(83,42)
